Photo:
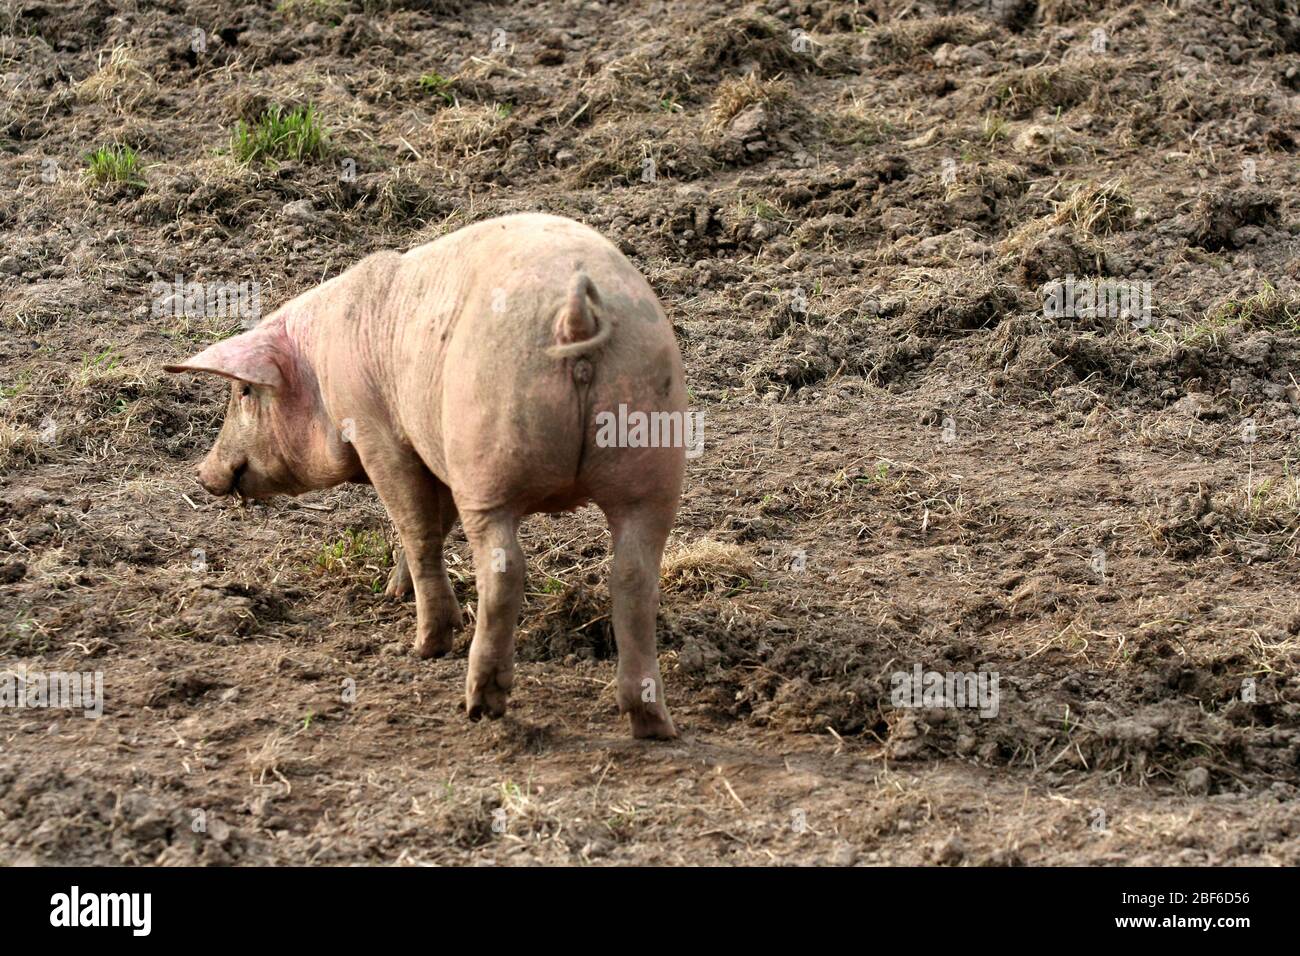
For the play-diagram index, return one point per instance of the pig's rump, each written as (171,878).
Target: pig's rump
(555,329)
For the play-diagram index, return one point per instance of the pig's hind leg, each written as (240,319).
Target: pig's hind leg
(640,530)
(499,576)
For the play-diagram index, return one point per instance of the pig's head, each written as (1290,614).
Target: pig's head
(277,438)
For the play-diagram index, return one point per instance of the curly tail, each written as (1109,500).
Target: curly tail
(579,328)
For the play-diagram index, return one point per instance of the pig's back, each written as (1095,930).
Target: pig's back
(504,279)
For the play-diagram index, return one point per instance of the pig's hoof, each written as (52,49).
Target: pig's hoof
(652,723)
(486,698)
(400,587)
(436,641)
(437,645)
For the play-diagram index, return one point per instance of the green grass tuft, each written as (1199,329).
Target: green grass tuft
(114,164)
(440,87)
(354,551)
(1266,309)
(277,135)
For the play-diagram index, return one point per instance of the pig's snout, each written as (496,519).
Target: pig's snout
(217,477)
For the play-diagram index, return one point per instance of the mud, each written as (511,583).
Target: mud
(908,459)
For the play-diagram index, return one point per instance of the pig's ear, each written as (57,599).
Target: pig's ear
(252,357)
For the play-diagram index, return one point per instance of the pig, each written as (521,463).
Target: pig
(466,379)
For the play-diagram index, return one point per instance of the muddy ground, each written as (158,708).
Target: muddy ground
(850,212)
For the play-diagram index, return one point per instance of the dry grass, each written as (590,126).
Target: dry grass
(1097,208)
(27,435)
(521,816)
(118,80)
(1269,506)
(91,410)
(322,11)
(406,194)
(631,84)
(1023,91)
(708,565)
(465,130)
(1092,209)
(1256,518)
(743,38)
(953,300)
(1063,11)
(35,307)
(275,757)
(19,444)
(855,119)
(903,39)
(625,152)
(737,94)
(910,502)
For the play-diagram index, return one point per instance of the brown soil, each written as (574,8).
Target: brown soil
(851,234)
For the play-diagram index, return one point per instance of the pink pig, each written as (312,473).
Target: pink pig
(465,378)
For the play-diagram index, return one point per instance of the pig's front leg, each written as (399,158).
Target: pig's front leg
(423,511)
(399,579)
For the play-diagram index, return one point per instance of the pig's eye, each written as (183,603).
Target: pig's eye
(246,391)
